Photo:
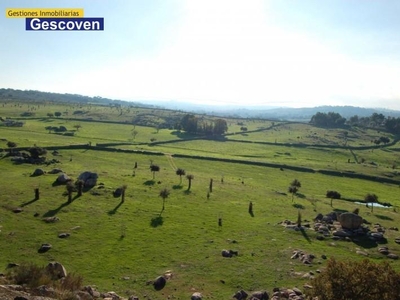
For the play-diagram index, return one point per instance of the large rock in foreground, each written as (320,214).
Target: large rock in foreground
(350,221)
(89,179)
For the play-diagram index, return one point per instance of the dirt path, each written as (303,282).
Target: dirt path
(171,161)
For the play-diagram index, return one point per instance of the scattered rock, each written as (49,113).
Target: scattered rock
(159,283)
(63,178)
(229,253)
(383,250)
(240,295)
(56,270)
(63,235)
(17,210)
(393,256)
(362,253)
(397,240)
(83,295)
(133,298)
(55,171)
(45,291)
(38,172)
(196,296)
(44,248)
(260,295)
(51,219)
(12,265)
(342,233)
(111,295)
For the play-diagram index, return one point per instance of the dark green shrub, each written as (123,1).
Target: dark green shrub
(356,280)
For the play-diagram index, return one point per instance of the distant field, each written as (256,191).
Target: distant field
(120,246)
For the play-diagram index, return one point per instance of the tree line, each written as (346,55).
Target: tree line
(192,124)
(379,121)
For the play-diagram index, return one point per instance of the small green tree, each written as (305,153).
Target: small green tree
(294,187)
(333,195)
(154,169)
(180,172)
(70,189)
(371,198)
(80,184)
(293,190)
(164,193)
(189,177)
(123,189)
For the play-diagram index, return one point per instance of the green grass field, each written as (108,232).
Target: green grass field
(120,246)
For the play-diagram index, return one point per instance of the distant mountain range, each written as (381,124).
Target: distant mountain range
(263,112)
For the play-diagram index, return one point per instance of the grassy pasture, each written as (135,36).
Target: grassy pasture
(120,246)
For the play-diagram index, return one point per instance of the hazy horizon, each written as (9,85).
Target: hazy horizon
(226,53)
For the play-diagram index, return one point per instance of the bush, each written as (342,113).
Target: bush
(30,275)
(333,195)
(34,276)
(356,280)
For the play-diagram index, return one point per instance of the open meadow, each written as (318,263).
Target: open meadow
(121,245)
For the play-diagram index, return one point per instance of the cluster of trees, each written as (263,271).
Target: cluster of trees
(330,119)
(192,124)
(376,120)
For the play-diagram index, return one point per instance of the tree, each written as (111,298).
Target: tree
(154,169)
(293,190)
(36,152)
(180,172)
(50,115)
(333,195)
(371,198)
(77,126)
(164,193)
(296,183)
(70,189)
(11,146)
(342,280)
(189,123)
(123,189)
(294,187)
(80,183)
(220,126)
(57,114)
(134,133)
(189,177)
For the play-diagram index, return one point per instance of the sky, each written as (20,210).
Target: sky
(280,53)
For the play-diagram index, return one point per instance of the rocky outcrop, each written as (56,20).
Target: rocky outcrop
(89,179)
(350,221)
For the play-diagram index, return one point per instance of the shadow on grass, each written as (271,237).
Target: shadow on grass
(365,242)
(149,182)
(305,235)
(177,187)
(187,192)
(29,202)
(53,212)
(382,217)
(340,211)
(298,206)
(156,221)
(114,210)
(300,195)
(251,214)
